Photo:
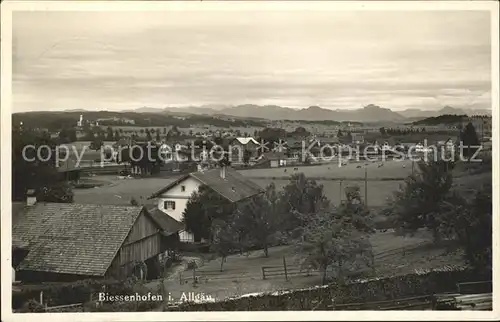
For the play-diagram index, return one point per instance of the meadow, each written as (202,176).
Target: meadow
(242,274)
(120,191)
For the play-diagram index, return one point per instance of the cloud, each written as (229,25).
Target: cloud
(335,60)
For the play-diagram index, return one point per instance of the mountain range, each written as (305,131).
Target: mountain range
(369,113)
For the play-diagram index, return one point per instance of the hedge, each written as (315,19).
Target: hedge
(67,293)
(322,297)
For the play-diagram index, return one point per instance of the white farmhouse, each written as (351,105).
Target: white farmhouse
(227,182)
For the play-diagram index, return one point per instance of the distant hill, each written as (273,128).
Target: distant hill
(447,110)
(372,113)
(369,114)
(447,119)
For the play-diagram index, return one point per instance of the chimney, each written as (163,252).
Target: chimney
(223,172)
(30,197)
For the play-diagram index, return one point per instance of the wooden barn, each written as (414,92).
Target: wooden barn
(65,242)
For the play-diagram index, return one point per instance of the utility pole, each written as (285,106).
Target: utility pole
(340,193)
(366,186)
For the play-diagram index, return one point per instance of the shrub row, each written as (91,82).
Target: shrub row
(67,293)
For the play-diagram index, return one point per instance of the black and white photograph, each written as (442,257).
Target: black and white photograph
(172,158)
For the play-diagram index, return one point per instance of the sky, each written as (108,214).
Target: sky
(337,60)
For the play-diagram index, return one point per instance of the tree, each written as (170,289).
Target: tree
(382,131)
(96,144)
(471,223)
(349,136)
(223,241)
(203,207)
(419,201)
(300,196)
(328,242)
(469,140)
(109,133)
(72,135)
(257,220)
(117,136)
(148,136)
(355,212)
(59,192)
(134,202)
(339,133)
(158,139)
(32,172)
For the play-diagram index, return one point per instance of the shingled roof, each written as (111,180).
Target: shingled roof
(234,187)
(168,224)
(80,239)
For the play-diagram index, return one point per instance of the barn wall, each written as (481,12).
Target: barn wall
(142,227)
(143,242)
(141,250)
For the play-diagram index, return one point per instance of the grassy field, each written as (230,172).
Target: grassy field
(119,191)
(390,169)
(243,274)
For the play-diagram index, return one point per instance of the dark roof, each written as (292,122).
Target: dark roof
(168,224)
(77,239)
(234,187)
(274,155)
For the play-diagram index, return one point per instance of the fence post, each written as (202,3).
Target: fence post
(263,273)
(180,278)
(41,297)
(194,275)
(284,265)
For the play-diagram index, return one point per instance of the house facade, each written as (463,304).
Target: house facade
(172,200)
(239,145)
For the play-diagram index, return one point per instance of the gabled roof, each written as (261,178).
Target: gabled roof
(234,187)
(274,155)
(79,239)
(168,224)
(245,141)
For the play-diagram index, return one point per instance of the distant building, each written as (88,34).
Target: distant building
(240,144)
(275,159)
(358,138)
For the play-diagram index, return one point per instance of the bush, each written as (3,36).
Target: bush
(32,306)
(69,293)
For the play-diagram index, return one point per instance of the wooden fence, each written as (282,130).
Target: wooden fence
(287,271)
(410,303)
(66,307)
(296,270)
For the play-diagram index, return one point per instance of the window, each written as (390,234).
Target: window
(183,188)
(169,205)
